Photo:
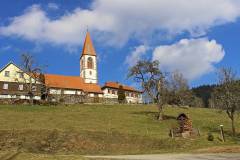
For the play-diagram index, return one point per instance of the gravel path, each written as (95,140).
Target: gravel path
(225,156)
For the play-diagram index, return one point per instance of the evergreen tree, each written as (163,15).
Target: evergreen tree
(121,95)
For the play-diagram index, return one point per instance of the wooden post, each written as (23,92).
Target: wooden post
(222,133)
(172,135)
(199,133)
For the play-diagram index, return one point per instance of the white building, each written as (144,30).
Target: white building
(110,90)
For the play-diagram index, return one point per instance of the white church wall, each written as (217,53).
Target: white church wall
(55,91)
(79,92)
(91,94)
(72,92)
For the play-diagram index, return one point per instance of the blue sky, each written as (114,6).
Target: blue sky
(193,37)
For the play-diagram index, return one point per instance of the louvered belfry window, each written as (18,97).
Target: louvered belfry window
(90,63)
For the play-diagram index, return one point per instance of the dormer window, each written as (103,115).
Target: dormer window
(7,74)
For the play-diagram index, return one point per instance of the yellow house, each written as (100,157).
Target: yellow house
(14,83)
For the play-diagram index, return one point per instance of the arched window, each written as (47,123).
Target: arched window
(90,63)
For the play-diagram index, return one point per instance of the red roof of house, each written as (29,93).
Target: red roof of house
(117,85)
(70,82)
(88,48)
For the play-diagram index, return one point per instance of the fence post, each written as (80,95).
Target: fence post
(172,134)
(222,133)
(199,133)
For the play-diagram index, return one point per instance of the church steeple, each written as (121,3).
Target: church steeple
(88,61)
(88,48)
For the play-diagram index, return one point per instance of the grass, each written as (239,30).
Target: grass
(105,129)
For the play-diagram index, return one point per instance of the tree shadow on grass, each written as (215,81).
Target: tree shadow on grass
(154,115)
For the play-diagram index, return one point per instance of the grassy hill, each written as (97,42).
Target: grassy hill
(105,129)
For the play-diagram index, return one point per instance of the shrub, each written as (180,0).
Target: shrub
(210,137)
(121,95)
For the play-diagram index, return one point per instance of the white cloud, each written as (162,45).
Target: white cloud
(34,25)
(53,6)
(192,57)
(114,22)
(6,48)
(136,55)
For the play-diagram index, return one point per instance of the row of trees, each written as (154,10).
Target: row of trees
(172,88)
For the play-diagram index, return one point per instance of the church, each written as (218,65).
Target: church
(70,89)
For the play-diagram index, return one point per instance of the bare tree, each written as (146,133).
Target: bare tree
(152,80)
(34,73)
(178,82)
(226,94)
(179,89)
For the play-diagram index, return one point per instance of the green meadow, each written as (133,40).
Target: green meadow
(59,131)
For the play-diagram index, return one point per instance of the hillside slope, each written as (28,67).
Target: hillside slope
(99,129)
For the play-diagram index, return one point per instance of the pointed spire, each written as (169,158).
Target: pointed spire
(88,48)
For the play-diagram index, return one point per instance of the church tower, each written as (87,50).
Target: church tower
(88,61)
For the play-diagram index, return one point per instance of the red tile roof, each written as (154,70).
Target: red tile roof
(70,82)
(116,85)
(88,48)
(92,88)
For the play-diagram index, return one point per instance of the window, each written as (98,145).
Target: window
(90,63)
(20,74)
(90,72)
(7,73)
(20,87)
(108,90)
(34,88)
(5,86)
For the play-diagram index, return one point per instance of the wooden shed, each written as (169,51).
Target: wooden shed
(185,123)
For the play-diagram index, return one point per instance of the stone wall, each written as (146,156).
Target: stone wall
(66,99)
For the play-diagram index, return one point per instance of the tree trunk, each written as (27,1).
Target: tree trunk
(231,116)
(31,100)
(160,112)
(233,127)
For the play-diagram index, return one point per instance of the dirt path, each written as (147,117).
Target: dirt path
(224,156)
